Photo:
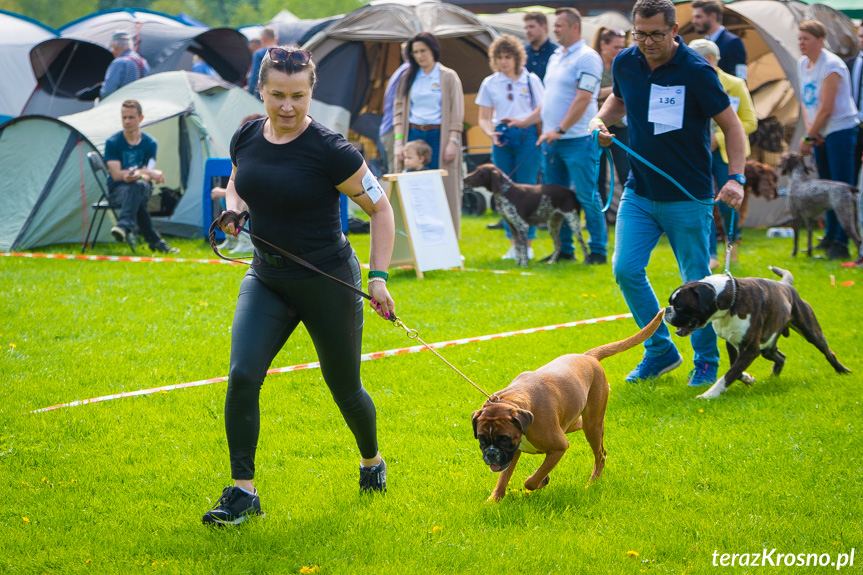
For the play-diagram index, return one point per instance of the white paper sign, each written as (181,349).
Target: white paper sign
(427,214)
(666,108)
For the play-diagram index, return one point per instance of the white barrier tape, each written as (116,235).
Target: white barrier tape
(138,259)
(364,357)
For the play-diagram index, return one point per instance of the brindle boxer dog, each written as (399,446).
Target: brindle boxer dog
(749,314)
(536,411)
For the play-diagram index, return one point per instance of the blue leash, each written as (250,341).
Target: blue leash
(606,151)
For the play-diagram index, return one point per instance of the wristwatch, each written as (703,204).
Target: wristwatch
(560,130)
(739,178)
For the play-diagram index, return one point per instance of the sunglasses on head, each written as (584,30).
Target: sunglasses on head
(281,56)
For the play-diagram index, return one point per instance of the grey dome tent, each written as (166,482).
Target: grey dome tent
(45,182)
(18,35)
(166,42)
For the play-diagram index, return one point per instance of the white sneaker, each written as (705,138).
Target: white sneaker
(530,253)
(510,254)
(244,245)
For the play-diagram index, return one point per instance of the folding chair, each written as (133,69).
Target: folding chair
(103,206)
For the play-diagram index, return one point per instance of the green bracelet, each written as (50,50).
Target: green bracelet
(379,274)
(398,137)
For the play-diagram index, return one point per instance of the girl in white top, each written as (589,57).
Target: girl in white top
(830,117)
(511,92)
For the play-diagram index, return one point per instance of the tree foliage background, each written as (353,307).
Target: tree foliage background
(233,13)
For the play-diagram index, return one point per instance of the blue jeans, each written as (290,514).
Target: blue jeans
(520,160)
(131,199)
(572,163)
(640,224)
(835,161)
(432,138)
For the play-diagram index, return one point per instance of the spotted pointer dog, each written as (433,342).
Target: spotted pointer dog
(523,205)
(749,314)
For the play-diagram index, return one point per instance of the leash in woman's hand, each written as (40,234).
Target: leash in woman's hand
(606,150)
(231,217)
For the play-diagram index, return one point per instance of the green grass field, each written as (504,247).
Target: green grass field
(120,486)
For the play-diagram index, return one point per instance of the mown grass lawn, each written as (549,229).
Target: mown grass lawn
(120,486)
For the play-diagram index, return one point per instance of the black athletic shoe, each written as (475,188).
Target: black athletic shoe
(495,226)
(838,251)
(824,244)
(164,248)
(561,257)
(594,259)
(374,478)
(233,507)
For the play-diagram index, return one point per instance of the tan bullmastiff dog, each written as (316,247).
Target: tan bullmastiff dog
(536,411)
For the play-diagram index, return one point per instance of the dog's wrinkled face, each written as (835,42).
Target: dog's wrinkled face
(690,307)
(499,428)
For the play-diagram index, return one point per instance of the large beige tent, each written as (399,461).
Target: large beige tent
(362,50)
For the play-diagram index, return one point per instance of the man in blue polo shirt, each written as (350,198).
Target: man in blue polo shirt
(572,83)
(669,94)
(539,47)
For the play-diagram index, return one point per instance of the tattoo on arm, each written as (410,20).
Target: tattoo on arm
(360,194)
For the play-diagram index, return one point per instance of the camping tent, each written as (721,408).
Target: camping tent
(63,66)
(18,35)
(362,51)
(45,179)
(168,43)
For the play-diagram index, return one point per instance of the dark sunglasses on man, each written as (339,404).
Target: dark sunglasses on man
(281,56)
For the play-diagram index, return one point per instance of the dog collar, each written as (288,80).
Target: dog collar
(733,292)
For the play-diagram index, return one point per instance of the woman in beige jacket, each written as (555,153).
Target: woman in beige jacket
(429,106)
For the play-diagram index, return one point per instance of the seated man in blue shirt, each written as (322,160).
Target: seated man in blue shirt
(126,67)
(669,94)
(130,156)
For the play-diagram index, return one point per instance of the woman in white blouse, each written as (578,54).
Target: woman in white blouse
(511,92)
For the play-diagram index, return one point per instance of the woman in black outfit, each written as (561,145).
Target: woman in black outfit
(288,171)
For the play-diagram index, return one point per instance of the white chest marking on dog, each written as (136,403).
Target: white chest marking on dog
(526,446)
(731,328)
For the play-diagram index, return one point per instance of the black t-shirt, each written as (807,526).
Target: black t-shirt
(291,190)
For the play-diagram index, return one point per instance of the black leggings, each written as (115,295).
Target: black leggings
(269,308)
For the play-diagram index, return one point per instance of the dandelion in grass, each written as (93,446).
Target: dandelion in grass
(700,411)
(308,570)
(25,520)
(12,347)
(88,561)
(437,529)
(202,303)
(632,554)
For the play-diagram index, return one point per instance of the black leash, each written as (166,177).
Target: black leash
(411,333)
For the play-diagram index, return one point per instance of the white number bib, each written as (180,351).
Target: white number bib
(666,108)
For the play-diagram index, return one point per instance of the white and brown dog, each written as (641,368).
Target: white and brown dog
(749,314)
(522,206)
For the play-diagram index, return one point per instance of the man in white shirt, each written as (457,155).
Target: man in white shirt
(572,83)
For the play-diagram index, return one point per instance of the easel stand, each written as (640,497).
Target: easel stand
(425,235)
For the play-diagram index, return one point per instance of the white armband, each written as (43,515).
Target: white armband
(588,83)
(372,187)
